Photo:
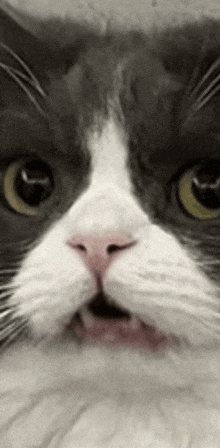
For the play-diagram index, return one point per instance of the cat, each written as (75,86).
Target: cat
(109,241)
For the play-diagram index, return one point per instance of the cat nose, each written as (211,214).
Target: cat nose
(98,252)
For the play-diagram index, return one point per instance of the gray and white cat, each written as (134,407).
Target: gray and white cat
(109,236)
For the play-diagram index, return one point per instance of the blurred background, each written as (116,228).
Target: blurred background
(129,13)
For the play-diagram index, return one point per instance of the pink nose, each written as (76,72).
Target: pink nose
(98,252)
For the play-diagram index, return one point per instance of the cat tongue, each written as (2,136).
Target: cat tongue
(119,332)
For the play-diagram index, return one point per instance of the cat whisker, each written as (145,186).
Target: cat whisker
(24,77)
(196,71)
(207,95)
(12,266)
(18,257)
(7,271)
(4,307)
(6,286)
(23,87)
(23,247)
(209,88)
(6,293)
(5,313)
(200,84)
(10,332)
(32,77)
(209,263)
(205,239)
(24,242)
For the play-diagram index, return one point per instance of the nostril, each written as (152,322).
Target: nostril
(118,247)
(109,249)
(80,247)
(113,248)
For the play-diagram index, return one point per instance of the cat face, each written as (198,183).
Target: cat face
(109,181)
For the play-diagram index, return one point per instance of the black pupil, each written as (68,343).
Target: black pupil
(206,186)
(34,182)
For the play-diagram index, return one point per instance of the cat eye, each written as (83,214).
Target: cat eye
(27,183)
(199,190)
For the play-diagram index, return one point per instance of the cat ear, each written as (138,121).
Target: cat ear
(45,43)
(19,36)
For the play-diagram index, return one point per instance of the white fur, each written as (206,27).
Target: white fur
(58,394)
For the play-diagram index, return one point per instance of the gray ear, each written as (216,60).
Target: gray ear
(44,44)
(19,33)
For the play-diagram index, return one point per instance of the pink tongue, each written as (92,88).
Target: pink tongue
(120,333)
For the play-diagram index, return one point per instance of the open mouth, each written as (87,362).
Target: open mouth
(101,322)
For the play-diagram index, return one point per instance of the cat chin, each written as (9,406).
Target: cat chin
(83,396)
(52,363)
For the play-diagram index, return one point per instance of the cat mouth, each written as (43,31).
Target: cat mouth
(101,322)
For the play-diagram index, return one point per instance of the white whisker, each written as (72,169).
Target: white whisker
(6,286)
(35,82)
(4,307)
(215,65)
(11,331)
(19,243)
(21,84)
(23,76)
(196,71)
(3,314)
(6,293)
(7,271)
(207,94)
(209,263)
(11,266)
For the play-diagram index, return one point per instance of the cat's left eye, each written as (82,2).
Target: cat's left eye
(198,190)
(27,183)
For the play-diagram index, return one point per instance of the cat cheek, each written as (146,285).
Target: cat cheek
(51,285)
(161,284)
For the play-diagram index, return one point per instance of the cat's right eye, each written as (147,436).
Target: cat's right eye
(27,183)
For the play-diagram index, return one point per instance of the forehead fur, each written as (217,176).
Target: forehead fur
(142,79)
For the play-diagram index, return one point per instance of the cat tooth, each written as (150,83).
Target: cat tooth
(135,323)
(87,318)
